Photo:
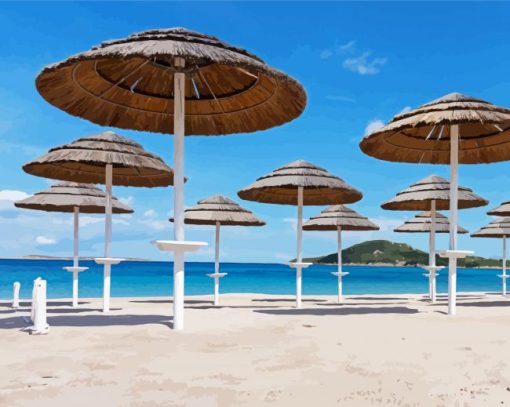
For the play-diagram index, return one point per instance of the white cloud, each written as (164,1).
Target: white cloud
(327,53)
(45,241)
(347,47)
(129,201)
(150,213)
(8,197)
(405,110)
(364,65)
(155,224)
(373,125)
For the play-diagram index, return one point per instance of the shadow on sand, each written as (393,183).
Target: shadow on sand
(170,302)
(377,298)
(287,300)
(91,320)
(340,311)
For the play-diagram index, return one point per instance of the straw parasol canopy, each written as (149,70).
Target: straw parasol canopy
(84,160)
(222,210)
(339,216)
(66,196)
(502,210)
(422,135)
(129,83)
(497,228)
(421,223)
(418,196)
(319,186)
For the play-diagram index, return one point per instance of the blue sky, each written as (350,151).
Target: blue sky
(361,63)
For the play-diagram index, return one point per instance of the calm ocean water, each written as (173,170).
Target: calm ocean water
(138,279)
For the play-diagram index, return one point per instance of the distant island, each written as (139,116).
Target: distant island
(386,253)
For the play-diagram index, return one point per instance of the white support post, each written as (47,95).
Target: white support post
(179,112)
(339,262)
(454,182)
(76,242)
(432,251)
(217,265)
(503,277)
(108,237)
(299,246)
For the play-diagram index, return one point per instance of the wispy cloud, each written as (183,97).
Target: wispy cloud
(8,197)
(373,125)
(364,64)
(45,240)
(360,61)
(150,213)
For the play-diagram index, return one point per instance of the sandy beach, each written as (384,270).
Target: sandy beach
(256,350)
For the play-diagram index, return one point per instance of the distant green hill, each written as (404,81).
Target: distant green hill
(396,254)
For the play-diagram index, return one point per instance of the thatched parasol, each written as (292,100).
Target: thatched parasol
(422,223)
(75,198)
(499,228)
(219,211)
(454,128)
(432,193)
(339,218)
(430,222)
(501,210)
(149,79)
(300,183)
(105,158)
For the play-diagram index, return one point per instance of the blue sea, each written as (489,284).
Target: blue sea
(143,279)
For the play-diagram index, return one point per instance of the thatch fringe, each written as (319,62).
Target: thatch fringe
(422,223)
(498,228)
(422,135)
(65,196)
(320,187)
(418,196)
(339,216)
(85,159)
(128,83)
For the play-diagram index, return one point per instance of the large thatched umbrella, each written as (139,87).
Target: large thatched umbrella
(499,228)
(430,222)
(75,198)
(300,183)
(501,210)
(452,129)
(219,211)
(109,159)
(430,194)
(149,79)
(339,218)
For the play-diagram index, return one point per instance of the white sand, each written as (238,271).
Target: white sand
(257,350)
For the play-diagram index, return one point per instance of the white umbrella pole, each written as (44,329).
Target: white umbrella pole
(432,251)
(217,265)
(107,238)
(339,262)
(76,243)
(179,105)
(299,258)
(454,182)
(504,266)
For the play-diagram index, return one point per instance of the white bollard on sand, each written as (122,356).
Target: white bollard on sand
(40,325)
(15,295)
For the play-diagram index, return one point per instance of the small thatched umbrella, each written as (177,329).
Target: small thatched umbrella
(432,193)
(109,159)
(431,223)
(75,198)
(499,228)
(454,128)
(149,79)
(219,211)
(339,218)
(300,183)
(501,210)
